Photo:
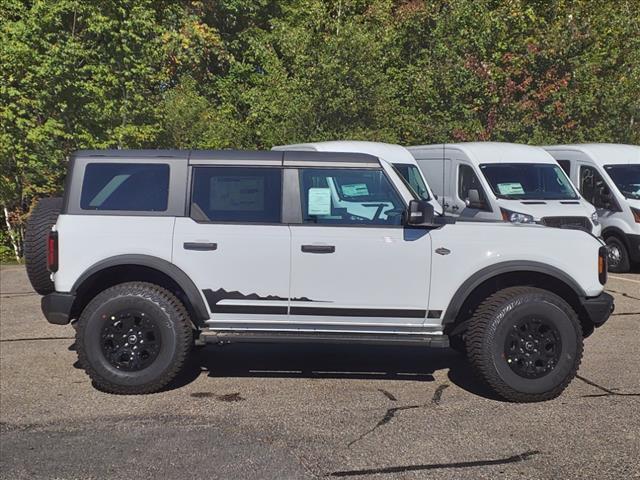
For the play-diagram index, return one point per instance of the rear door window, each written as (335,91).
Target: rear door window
(237,194)
(142,187)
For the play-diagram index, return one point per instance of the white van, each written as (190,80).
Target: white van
(512,182)
(398,156)
(608,176)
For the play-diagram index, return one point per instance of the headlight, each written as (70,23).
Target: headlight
(515,217)
(594,218)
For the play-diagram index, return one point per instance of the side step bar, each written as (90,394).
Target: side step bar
(436,341)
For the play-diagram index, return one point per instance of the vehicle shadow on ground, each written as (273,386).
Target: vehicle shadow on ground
(309,361)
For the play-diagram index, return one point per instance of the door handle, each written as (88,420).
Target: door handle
(200,246)
(318,248)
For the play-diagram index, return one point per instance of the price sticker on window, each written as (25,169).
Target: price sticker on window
(511,188)
(319,201)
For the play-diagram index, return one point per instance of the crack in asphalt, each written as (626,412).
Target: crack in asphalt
(624,294)
(521,457)
(625,313)
(387,394)
(33,339)
(391,412)
(607,392)
(16,294)
(437,395)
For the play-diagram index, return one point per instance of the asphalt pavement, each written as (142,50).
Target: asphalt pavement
(312,411)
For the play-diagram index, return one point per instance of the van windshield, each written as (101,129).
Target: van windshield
(528,181)
(411,174)
(626,178)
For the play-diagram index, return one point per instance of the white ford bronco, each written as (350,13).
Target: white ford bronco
(151,252)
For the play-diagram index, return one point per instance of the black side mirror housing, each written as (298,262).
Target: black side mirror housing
(419,213)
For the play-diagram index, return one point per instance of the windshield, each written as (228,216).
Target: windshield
(411,174)
(528,181)
(626,178)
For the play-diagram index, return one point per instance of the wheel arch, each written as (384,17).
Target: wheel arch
(124,268)
(507,274)
(616,232)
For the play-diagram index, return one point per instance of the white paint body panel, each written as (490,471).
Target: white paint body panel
(373,268)
(442,175)
(249,259)
(475,246)
(85,240)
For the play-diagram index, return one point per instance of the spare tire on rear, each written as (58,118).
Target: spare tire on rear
(39,224)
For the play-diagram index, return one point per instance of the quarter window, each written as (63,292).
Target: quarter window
(349,197)
(141,187)
(234,194)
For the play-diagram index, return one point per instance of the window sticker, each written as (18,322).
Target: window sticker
(319,201)
(511,188)
(355,190)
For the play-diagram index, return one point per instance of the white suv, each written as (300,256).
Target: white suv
(507,181)
(608,176)
(154,249)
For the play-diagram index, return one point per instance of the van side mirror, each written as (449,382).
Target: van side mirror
(473,199)
(604,196)
(419,212)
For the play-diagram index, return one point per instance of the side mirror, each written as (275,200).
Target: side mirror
(473,199)
(604,196)
(420,212)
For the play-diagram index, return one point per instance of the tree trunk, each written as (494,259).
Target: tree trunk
(12,235)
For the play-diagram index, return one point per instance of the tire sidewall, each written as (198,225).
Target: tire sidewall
(95,321)
(534,305)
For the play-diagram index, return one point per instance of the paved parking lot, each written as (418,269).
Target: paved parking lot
(269,411)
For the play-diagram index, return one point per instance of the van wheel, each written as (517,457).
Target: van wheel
(133,338)
(525,343)
(617,255)
(42,218)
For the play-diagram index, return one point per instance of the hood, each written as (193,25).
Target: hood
(549,208)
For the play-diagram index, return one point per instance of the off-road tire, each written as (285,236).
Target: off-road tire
(624,263)
(493,321)
(175,331)
(42,218)
(458,344)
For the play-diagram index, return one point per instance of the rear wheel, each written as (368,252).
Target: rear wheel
(617,255)
(42,218)
(525,343)
(133,338)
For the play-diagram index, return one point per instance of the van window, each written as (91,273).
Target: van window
(468,180)
(566,166)
(237,194)
(528,181)
(592,185)
(349,197)
(141,187)
(626,178)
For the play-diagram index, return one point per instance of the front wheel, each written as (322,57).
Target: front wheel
(617,255)
(525,343)
(133,338)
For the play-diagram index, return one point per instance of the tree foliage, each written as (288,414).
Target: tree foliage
(251,74)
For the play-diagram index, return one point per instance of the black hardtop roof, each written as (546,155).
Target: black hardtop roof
(239,156)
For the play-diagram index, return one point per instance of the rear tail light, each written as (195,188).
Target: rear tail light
(602,265)
(52,251)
